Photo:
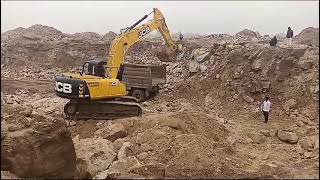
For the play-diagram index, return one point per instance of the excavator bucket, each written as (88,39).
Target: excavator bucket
(166,55)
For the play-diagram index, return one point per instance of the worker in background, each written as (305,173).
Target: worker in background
(180,46)
(266,108)
(289,36)
(273,42)
(180,37)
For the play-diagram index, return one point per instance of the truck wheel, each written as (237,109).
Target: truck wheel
(138,94)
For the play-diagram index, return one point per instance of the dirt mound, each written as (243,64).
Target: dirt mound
(38,47)
(35,32)
(35,146)
(248,33)
(235,84)
(109,36)
(86,37)
(308,36)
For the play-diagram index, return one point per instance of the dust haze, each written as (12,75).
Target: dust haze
(187,17)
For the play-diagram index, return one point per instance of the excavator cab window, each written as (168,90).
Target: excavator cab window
(87,69)
(99,71)
(94,68)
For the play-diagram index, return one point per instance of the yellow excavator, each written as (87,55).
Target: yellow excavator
(98,92)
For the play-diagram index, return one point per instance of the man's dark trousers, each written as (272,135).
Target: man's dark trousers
(265,114)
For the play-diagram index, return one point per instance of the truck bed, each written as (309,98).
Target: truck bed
(144,76)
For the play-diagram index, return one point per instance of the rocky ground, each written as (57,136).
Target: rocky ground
(205,122)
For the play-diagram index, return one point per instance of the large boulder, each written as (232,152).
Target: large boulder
(311,114)
(208,100)
(123,150)
(201,54)
(248,33)
(194,66)
(8,175)
(257,138)
(248,99)
(119,168)
(288,136)
(257,64)
(112,132)
(97,153)
(290,104)
(117,144)
(308,143)
(37,147)
(203,68)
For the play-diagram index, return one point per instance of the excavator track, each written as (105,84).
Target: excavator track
(107,110)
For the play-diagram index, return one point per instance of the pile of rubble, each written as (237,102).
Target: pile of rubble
(248,35)
(47,47)
(308,36)
(205,122)
(34,145)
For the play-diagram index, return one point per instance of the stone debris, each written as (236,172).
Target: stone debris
(204,123)
(112,132)
(308,36)
(8,175)
(287,136)
(119,168)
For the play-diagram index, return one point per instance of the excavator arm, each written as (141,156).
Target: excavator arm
(133,34)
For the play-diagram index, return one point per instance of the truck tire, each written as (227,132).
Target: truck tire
(138,94)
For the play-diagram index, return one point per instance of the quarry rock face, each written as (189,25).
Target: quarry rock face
(308,36)
(97,153)
(37,147)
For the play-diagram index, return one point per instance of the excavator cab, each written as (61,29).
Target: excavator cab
(94,67)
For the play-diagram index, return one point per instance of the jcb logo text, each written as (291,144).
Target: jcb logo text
(63,87)
(144,32)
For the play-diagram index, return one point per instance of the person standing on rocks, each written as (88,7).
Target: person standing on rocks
(266,108)
(289,36)
(180,37)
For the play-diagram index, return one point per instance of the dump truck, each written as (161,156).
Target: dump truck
(143,81)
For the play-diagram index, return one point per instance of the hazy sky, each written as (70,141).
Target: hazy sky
(267,17)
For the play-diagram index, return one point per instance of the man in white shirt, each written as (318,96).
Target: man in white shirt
(266,108)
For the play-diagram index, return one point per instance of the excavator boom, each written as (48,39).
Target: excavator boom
(133,34)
